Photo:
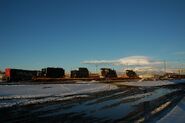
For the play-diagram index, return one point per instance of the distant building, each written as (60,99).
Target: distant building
(148,77)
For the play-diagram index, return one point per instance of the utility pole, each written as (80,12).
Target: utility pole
(164,66)
(96,68)
(138,62)
(127,66)
(180,69)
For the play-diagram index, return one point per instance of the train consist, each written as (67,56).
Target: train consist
(59,74)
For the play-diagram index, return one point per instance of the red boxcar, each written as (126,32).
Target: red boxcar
(19,75)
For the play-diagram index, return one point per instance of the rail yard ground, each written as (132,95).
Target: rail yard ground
(89,102)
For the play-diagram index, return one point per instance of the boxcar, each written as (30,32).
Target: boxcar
(81,73)
(19,74)
(108,73)
(53,72)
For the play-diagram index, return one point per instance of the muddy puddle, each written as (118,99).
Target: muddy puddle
(121,105)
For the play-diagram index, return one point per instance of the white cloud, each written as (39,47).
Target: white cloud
(179,53)
(144,68)
(132,60)
(99,62)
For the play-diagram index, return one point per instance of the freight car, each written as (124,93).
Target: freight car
(108,73)
(19,74)
(53,72)
(131,74)
(80,73)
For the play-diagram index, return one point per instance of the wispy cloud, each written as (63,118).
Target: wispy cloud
(100,62)
(180,53)
(132,60)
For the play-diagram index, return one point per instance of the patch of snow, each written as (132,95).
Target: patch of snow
(11,95)
(85,82)
(23,102)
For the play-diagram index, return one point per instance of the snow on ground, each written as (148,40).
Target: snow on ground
(176,115)
(152,83)
(11,95)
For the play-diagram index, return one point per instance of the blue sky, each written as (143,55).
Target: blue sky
(64,33)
